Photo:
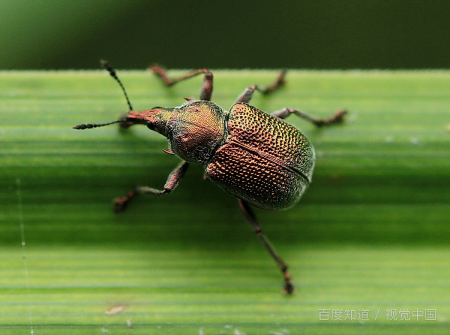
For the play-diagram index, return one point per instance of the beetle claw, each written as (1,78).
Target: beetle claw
(340,116)
(120,204)
(289,288)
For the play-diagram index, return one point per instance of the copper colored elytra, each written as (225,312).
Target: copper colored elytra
(259,158)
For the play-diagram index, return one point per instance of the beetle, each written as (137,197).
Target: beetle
(259,158)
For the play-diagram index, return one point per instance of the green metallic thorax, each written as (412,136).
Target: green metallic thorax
(195,130)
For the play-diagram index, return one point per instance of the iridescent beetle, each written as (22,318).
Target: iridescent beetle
(259,158)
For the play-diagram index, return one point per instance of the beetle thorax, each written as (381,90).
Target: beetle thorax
(195,130)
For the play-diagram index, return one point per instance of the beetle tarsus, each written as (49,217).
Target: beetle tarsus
(207,86)
(247,95)
(338,117)
(120,204)
(288,287)
(280,81)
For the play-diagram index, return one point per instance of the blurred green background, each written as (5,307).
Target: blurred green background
(325,34)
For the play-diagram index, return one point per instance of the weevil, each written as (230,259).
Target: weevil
(259,158)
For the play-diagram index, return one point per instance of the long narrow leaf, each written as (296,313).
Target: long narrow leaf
(371,232)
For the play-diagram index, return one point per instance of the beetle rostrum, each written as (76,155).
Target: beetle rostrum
(257,157)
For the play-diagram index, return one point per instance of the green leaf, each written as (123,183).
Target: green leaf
(370,233)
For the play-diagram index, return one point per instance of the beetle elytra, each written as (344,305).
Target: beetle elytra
(259,158)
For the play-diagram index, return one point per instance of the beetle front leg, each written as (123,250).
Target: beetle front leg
(338,117)
(247,95)
(172,181)
(251,218)
(207,86)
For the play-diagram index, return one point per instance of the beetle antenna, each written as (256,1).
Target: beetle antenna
(113,74)
(96,125)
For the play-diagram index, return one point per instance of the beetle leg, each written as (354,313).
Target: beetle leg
(172,182)
(248,93)
(207,86)
(251,218)
(338,117)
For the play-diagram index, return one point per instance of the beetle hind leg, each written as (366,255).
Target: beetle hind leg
(338,117)
(247,95)
(173,180)
(251,218)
